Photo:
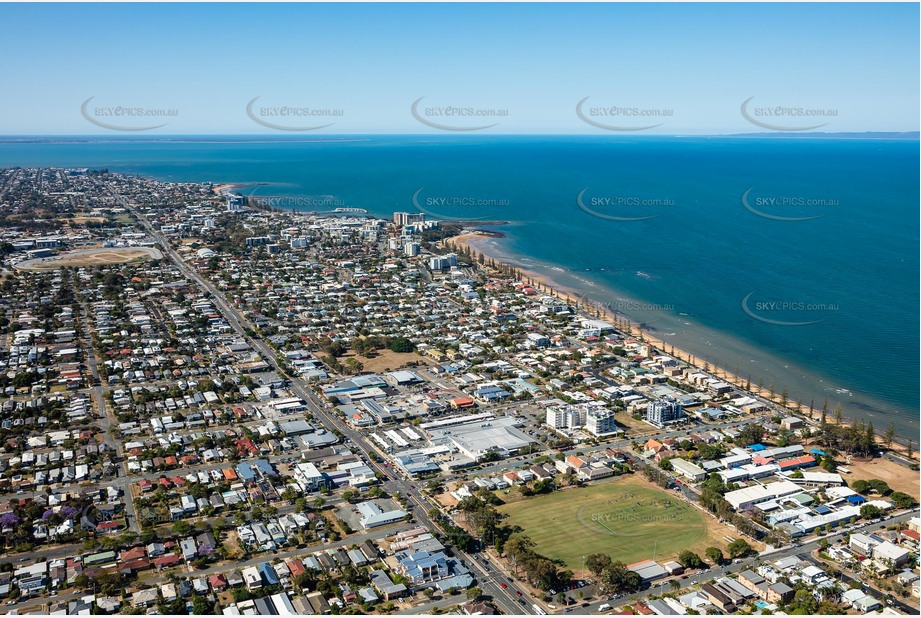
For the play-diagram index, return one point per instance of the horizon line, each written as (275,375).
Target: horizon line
(322,136)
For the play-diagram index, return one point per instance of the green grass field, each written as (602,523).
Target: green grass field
(626,518)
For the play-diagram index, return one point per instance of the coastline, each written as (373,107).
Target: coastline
(224,188)
(546,284)
(236,186)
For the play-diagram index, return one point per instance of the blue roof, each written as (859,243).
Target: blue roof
(264,467)
(817,451)
(822,510)
(245,471)
(268,573)
(757,447)
(856,499)
(458,581)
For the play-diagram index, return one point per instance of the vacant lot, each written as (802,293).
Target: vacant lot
(897,476)
(387,360)
(86,219)
(90,257)
(626,518)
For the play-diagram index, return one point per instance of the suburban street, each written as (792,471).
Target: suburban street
(395,483)
(107,422)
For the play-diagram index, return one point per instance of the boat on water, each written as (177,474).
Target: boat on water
(358,210)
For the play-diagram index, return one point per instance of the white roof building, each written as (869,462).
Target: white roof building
(808,524)
(372,515)
(748,496)
(890,553)
(688,469)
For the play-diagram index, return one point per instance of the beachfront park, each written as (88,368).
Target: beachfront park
(627,518)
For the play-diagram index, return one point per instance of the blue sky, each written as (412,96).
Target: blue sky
(687,68)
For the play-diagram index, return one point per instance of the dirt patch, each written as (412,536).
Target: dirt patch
(446,500)
(635,427)
(386,360)
(232,545)
(225,598)
(897,476)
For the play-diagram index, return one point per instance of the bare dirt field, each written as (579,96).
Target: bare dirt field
(446,500)
(634,426)
(387,360)
(232,544)
(897,476)
(85,219)
(102,256)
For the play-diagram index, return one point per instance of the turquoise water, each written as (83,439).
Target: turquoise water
(830,301)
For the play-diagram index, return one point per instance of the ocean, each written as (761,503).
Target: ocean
(793,261)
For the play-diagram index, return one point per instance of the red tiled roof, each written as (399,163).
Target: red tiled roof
(135,565)
(797,462)
(643,610)
(218,582)
(296,567)
(167,560)
(133,554)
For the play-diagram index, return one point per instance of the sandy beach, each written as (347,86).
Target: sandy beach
(547,285)
(224,188)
